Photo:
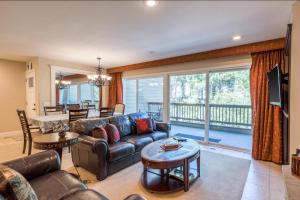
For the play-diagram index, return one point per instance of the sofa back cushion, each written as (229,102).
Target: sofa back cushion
(122,123)
(135,116)
(112,133)
(86,126)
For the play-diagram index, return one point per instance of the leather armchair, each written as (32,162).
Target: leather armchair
(42,171)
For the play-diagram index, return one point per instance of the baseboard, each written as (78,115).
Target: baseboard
(11,133)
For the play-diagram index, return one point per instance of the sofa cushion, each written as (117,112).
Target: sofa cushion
(157,135)
(85,194)
(56,185)
(122,123)
(139,142)
(138,115)
(112,133)
(120,150)
(100,132)
(144,126)
(86,126)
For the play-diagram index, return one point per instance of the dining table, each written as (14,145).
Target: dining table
(47,122)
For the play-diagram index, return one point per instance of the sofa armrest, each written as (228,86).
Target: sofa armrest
(92,154)
(36,165)
(164,127)
(98,146)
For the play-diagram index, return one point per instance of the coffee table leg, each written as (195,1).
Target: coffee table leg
(186,169)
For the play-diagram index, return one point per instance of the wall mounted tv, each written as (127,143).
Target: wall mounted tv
(274,79)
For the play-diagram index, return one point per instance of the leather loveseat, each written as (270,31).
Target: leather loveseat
(103,159)
(42,171)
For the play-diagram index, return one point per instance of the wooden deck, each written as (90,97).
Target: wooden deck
(234,139)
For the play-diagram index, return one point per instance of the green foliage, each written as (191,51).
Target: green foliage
(230,87)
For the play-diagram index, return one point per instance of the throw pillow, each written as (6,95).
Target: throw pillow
(100,132)
(21,189)
(144,126)
(113,134)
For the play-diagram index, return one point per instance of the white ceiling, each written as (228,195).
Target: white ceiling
(126,32)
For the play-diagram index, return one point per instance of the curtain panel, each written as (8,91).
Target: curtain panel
(115,90)
(267,124)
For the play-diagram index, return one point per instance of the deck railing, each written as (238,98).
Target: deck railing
(221,116)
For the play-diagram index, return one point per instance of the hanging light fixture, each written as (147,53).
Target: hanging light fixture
(61,83)
(99,79)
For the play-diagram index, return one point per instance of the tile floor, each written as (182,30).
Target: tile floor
(264,182)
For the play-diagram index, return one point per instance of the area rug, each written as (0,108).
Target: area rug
(222,178)
(194,137)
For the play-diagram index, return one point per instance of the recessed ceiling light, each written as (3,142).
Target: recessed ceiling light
(151,3)
(236,37)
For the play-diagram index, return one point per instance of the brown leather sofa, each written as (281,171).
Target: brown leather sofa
(42,171)
(103,159)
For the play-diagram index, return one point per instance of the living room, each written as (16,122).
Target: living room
(152,99)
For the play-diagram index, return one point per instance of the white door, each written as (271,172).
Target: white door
(30,93)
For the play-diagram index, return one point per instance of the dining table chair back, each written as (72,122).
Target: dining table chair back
(26,129)
(54,110)
(76,114)
(119,109)
(75,106)
(106,111)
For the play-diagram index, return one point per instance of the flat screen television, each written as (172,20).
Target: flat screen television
(274,80)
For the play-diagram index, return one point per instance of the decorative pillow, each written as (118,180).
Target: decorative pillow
(21,189)
(100,132)
(144,126)
(113,134)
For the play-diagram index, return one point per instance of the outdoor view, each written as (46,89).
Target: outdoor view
(229,107)
(229,104)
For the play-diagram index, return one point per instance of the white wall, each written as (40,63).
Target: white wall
(295,81)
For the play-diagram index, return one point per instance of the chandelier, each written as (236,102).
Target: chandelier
(99,79)
(61,83)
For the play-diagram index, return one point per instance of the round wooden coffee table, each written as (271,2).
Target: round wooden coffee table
(169,171)
(53,141)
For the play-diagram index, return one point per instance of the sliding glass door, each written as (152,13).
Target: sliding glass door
(144,95)
(187,105)
(211,107)
(230,108)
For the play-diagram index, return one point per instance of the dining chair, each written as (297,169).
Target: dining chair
(106,111)
(91,107)
(53,110)
(119,109)
(27,128)
(76,114)
(75,106)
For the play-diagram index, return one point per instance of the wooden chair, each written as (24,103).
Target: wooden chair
(91,107)
(51,110)
(76,114)
(106,111)
(27,133)
(119,109)
(73,106)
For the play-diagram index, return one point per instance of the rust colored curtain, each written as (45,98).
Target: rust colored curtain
(267,126)
(115,90)
(57,94)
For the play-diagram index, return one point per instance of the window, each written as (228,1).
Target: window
(77,93)
(145,95)
(130,96)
